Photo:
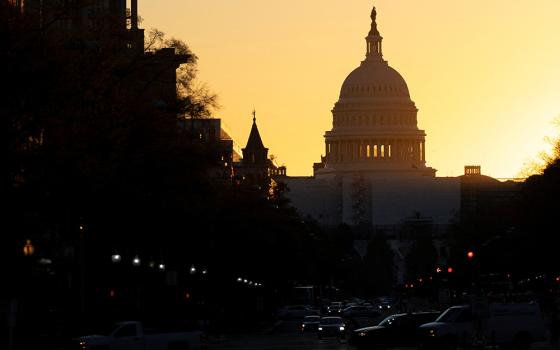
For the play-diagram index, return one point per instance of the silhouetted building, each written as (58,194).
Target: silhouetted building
(374,169)
(107,23)
(85,31)
(485,197)
(250,165)
(223,149)
(256,168)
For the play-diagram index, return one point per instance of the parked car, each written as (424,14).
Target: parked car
(132,335)
(331,326)
(310,323)
(515,325)
(395,330)
(295,312)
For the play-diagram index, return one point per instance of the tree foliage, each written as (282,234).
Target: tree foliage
(195,98)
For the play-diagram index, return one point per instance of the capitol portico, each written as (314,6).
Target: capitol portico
(374,170)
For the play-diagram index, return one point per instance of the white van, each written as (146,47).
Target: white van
(507,325)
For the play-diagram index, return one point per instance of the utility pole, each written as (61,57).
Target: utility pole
(82,270)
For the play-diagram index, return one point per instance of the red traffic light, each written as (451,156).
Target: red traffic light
(470,254)
(449,270)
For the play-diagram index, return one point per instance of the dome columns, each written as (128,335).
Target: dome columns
(362,149)
(374,47)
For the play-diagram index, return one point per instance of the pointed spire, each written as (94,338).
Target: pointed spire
(374,50)
(255,141)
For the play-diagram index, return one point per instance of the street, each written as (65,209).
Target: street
(285,336)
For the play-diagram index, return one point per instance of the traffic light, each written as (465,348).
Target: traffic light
(470,254)
(449,269)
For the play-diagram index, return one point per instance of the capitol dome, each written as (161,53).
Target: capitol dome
(374,79)
(375,125)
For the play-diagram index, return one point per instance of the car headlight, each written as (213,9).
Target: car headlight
(320,328)
(432,333)
(341,328)
(362,334)
(83,344)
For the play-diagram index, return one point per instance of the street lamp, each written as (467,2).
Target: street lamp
(116,258)
(28,248)
(192,270)
(161,267)
(136,261)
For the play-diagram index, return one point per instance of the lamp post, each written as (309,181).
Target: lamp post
(28,251)
(82,269)
(28,248)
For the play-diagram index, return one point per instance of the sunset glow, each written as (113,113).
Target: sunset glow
(484,74)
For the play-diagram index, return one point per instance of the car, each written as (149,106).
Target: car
(334,308)
(310,323)
(295,312)
(384,305)
(331,326)
(507,325)
(395,330)
(134,335)
(359,311)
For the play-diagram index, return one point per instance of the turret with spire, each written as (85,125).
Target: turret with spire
(255,153)
(374,50)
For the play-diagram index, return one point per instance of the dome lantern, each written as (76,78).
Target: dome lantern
(374,51)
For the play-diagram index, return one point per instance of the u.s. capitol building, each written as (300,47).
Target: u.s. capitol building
(374,170)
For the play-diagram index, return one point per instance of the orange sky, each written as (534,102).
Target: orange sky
(485,74)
